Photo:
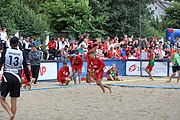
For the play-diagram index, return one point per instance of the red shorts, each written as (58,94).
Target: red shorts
(149,67)
(76,68)
(99,75)
(63,79)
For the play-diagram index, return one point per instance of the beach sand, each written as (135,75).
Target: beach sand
(89,103)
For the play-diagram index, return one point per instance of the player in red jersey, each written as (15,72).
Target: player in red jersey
(93,49)
(64,76)
(24,79)
(76,63)
(95,67)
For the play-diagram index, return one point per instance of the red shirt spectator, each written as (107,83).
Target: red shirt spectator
(51,44)
(111,53)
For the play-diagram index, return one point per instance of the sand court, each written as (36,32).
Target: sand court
(87,102)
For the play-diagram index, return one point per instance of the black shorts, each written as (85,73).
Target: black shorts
(175,68)
(10,85)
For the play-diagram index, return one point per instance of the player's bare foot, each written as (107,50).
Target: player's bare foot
(24,86)
(11,116)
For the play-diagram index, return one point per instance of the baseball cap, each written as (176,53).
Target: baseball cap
(73,55)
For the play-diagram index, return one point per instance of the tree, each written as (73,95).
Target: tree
(172,16)
(123,15)
(17,16)
(74,16)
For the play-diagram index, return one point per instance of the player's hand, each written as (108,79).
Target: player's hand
(28,85)
(173,63)
(97,71)
(89,70)
(60,84)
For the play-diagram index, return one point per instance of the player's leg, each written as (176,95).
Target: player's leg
(13,105)
(98,82)
(117,78)
(110,78)
(173,74)
(149,72)
(6,106)
(14,94)
(67,81)
(178,74)
(150,75)
(79,75)
(74,75)
(4,90)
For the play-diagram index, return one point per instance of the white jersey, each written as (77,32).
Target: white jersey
(13,62)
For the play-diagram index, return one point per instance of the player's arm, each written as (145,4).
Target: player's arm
(70,59)
(2,59)
(107,73)
(171,58)
(59,75)
(81,61)
(117,73)
(102,64)
(26,70)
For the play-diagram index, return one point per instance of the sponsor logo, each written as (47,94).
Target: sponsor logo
(42,70)
(132,68)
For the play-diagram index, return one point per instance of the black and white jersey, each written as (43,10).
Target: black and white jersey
(13,59)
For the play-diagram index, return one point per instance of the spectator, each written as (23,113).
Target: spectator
(52,48)
(38,43)
(64,76)
(67,42)
(84,42)
(58,49)
(123,51)
(167,53)
(30,43)
(117,52)
(137,52)
(4,38)
(62,43)
(156,51)
(111,53)
(34,57)
(81,51)
(112,74)
(22,44)
(64,53)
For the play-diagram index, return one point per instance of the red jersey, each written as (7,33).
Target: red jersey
(119,53)
(112,72)
(105,47)
(96,64)
(51,45)
(110,54)
(78,61)
(87,57)
(63,72)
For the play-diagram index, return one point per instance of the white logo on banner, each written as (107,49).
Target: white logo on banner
(133,68)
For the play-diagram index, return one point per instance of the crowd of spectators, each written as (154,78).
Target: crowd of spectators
(107,48)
